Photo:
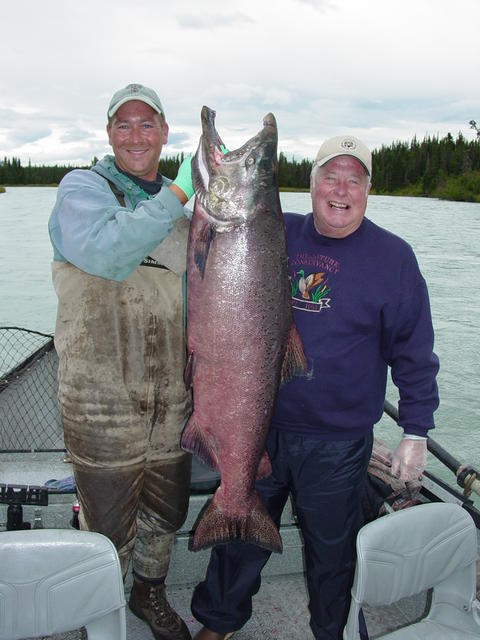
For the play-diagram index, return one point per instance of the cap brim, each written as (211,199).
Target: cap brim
(113,110)
(323,161)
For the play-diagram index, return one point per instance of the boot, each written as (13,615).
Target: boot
(148,601)
(207,634)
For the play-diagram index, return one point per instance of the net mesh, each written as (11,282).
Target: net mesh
(29,415)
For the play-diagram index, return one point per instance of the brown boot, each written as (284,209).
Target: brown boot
(148,601)
(206,634)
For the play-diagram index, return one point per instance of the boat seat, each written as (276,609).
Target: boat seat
(58,580)
(428,546)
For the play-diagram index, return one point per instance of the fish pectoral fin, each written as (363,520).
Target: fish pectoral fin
(202,246)
(215,526)
(264,467)
(188,373)
(194,440)
(294,361)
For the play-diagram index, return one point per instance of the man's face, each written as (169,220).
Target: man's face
(137,134)
(339,191)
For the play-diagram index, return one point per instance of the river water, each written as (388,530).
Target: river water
(446,240)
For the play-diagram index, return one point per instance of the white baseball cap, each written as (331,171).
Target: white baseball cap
(345,146)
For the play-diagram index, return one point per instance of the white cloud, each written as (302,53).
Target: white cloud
(207,20)
(387,70)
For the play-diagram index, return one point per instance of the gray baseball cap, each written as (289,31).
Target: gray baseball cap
(345,146)
(135,92)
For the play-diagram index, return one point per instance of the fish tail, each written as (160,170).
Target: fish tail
(194,440)
(294,361)
(215,526)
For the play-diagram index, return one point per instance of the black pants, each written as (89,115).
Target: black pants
(326,481)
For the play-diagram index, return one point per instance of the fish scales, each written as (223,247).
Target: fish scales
(239,322)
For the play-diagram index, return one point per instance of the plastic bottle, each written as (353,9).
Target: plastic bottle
(75,511)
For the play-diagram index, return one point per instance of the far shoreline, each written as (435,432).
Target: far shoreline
(404,193)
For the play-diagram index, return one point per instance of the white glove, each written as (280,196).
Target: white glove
(410,458)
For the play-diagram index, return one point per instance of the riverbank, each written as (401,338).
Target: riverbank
(462,188)
(457,195)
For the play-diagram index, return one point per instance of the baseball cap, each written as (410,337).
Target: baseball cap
(345,146)
(135,92)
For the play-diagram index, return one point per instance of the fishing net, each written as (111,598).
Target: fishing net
(29,415)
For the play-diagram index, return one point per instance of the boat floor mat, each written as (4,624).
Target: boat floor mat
(280,612)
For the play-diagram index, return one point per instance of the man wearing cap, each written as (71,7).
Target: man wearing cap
(119,235)
(360,305)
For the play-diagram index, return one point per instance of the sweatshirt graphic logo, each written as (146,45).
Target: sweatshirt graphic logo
(310,292)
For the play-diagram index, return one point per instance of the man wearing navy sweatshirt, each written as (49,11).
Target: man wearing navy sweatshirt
(361,305)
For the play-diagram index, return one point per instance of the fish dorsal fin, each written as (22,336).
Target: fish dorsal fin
(294,361)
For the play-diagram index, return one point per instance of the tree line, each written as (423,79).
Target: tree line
(447,168)
(12,173)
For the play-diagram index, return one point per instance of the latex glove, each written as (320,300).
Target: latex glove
(184,177)
(409,459)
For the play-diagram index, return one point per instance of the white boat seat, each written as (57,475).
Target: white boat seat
(408,552)
(58,580)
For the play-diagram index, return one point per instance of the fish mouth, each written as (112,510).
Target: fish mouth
(212,154)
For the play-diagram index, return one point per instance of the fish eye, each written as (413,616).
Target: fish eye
(250,160)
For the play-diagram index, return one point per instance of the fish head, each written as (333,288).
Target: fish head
(233,186)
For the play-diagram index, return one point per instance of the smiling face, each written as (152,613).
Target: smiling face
(137,134)
(339,191)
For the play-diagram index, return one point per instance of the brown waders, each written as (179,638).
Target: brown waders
(121,349)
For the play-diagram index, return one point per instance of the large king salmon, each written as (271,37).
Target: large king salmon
(241,335)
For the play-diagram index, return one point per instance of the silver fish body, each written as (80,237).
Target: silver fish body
(239,327)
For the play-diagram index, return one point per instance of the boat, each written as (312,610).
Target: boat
(37,490)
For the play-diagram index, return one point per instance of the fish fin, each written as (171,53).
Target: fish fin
(202,246)
(294,361)
(264,467)
(214,526)
(188,373)
(194,440)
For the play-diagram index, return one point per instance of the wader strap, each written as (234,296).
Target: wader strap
(120,196)
(117,193)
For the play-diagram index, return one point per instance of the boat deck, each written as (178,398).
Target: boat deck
(279,613)
(280,609)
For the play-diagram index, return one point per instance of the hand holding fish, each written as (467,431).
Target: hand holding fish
(182,186)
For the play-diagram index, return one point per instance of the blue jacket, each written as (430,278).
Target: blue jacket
(89,228)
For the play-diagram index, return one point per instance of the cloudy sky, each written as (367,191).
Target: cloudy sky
(383,70)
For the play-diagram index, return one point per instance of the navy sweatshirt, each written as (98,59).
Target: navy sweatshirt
(360,305)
